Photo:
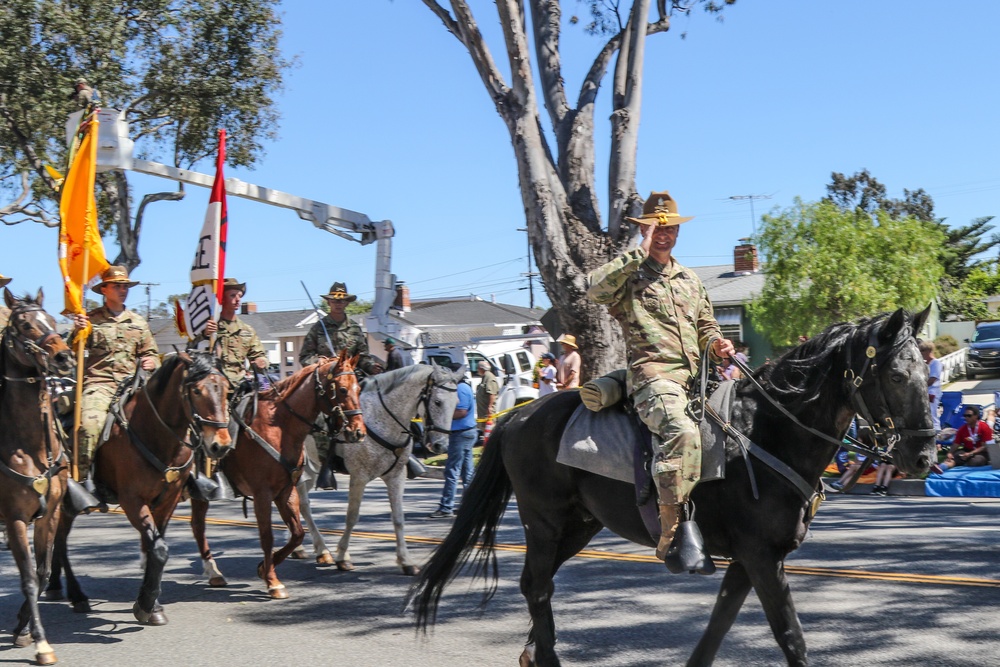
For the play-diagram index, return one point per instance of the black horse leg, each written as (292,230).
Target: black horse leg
(733,592)
(146,608)
(544,556)
(77,598)
(769,580)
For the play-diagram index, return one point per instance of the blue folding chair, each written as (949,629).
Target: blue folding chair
(952,406)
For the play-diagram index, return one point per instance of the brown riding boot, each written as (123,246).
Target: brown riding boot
(670,518)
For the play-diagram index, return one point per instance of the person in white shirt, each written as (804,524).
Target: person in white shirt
(547,375)
(933,382)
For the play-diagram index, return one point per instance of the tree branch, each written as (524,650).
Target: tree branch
(545,16)
(463,26)
(516,40)
(26,146)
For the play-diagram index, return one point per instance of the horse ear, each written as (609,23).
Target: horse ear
(460,373)
(185,357)
(920,319)
(40,297)
(892,327)
(8,298)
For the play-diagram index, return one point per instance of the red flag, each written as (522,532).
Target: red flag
(209,266)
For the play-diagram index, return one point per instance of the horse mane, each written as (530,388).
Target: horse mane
(202,363)
(797,378)
(392,379)
(284,387)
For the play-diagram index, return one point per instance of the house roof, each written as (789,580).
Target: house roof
(468,313)
(726,287)
(269,326)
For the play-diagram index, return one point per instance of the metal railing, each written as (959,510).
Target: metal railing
(953,365)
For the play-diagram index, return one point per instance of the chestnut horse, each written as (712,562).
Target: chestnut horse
(872,367)
(146,461)
(267,462)
(32,459)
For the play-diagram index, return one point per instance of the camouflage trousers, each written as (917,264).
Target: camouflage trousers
(93,413)
(677,459)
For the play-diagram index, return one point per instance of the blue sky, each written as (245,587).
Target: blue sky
(385,115)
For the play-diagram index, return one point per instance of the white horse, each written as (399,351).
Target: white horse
(388,403)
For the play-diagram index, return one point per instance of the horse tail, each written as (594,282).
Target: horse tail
(473,535)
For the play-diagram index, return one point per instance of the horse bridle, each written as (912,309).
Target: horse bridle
(335,411)
(425,400)
(33,349)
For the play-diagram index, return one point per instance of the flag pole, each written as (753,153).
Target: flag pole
(78,402)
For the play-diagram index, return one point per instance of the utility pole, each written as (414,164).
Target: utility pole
(751,198)
(149,298)
(531,275)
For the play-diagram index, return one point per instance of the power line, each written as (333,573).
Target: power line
(750,198)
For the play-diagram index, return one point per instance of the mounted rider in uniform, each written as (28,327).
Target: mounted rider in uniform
(667,319)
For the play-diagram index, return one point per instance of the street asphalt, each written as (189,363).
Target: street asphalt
(880,581)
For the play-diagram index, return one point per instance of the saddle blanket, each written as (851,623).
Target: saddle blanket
(607,443)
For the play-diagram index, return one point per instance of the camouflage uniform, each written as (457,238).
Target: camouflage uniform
(667,319)
(487,386)
(236,342)
(114,346)
(4,317)
(344,335)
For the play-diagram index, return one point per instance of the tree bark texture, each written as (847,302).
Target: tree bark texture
(557,186)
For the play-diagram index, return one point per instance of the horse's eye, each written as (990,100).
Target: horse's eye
(896,377)
(342,390)
(438,402)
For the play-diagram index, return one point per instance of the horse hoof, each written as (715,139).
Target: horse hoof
(24,639)
(260,571)
(298,554)
(218,582)
(345,565)
(154,617)
(81,607)
(411,570)
(54,594)
(324,558)
(46,658)
(278,592)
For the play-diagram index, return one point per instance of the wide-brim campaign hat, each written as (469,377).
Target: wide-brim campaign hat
(4,280)
(660,209)
(568,339)
(233,283)
(338,292)
(114,274)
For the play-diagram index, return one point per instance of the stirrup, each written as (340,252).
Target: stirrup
(414,468)
(325,480)
(201,487)
(78,499)
(687,550)
(224,490)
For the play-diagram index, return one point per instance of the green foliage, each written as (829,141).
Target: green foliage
(181,69)
(826,265)
(945,344)
(963,300)
(359,307)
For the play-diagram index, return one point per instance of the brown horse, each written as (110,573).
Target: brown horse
(146,462)
(267,462)
(32,459)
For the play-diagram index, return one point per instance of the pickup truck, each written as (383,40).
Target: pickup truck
(984,350)
(511,362)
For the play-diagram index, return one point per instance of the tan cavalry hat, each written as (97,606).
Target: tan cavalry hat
(114,274)
(568,339)
(660,209)
(233,283)
(338,292)
(4,280)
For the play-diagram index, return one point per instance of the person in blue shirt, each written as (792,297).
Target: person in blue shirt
(463,437)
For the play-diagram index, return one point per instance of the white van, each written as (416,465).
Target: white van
(512,363)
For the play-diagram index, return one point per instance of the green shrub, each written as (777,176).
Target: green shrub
(945,344)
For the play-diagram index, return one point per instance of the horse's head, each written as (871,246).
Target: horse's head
(439,399)
(205,392)
(31,339)
(894,396)
(337,384)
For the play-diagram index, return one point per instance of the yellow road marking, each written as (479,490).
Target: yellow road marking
(596,554)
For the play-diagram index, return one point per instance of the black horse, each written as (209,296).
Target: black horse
(872,366)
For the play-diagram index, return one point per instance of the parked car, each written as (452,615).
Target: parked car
(984,350)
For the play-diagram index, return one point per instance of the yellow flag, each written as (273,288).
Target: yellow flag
(81,252)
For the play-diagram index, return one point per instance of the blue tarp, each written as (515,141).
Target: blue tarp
(981,482)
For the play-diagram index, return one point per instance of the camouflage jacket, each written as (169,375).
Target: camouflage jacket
(664,312)
(4,317)
(236,342)
(346,334)
(115,344)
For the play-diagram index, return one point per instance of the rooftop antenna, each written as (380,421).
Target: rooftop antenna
(750,198)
